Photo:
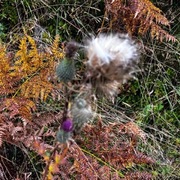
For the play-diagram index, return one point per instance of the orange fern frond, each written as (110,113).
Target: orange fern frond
(47,118)
(84,167)
(120,154)
(133,130)
(19,107)
(138,17)
(36,88)
(8,78)
(150,13)
(140,158)
(160,34)
(138,176)
(8,85)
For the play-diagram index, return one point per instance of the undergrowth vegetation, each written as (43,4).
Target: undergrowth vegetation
(45,127)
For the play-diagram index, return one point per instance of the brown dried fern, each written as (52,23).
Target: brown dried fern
(133,130)
(113,146)
(43,119)
(138,176)
(19,107)
(2,130)
(137,17)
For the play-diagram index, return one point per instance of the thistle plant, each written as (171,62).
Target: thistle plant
(63,136)
(112,59)
(32,99)
(82,113)
(66,68)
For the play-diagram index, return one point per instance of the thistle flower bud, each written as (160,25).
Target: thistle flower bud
(66,70)
(82,113)
(67,125)
(71,49)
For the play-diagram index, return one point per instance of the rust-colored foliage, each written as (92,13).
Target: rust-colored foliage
(138,176)
(15,114)
(110,149)
(137,17)
(18,107)
(26,77)
(66,162)
(133,130)
(2,129)
(114,146)
(26,80)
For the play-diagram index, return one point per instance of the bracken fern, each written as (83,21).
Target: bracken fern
(137,17)
(25,80)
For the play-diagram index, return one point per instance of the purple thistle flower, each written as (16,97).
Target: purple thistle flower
(67,125)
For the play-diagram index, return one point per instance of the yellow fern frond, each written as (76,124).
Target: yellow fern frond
(8,78)
(33,43)
(55,48)
(22,53)
(36,88)
(34,55)
(4,61)
(36,67)
(22,48)
(28,60)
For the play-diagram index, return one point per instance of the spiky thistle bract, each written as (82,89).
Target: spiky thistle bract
(66,70)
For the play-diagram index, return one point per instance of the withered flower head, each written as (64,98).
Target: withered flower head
(70,49)
(82,113)
(112,59)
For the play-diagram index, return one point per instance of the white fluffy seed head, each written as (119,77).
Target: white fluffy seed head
(112,59)
(104,49)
